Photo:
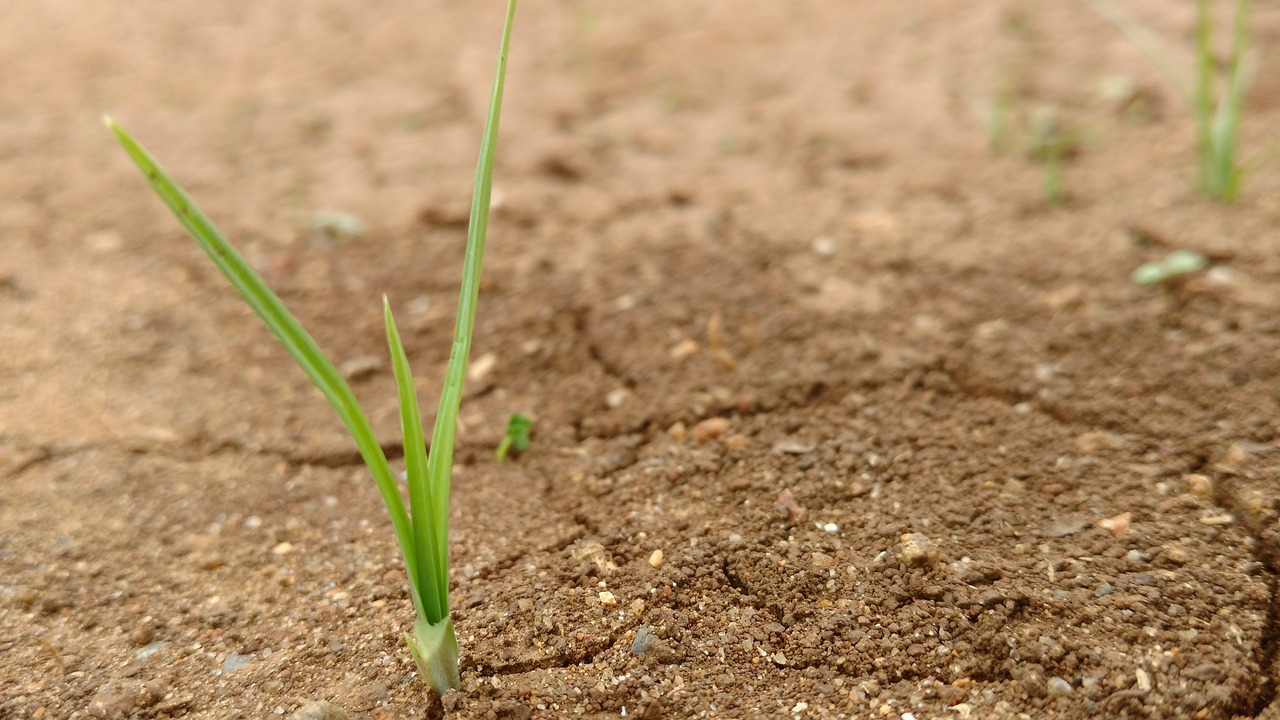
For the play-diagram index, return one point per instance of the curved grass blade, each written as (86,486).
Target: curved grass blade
(1149,43)
(253,289)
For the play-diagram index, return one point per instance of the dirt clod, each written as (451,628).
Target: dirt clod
(788,507)
(915,550)
(710,429)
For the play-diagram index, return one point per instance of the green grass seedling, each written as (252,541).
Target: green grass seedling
(1217,110)
(423,530)
(1052,145)
(1174,268)
(516,438)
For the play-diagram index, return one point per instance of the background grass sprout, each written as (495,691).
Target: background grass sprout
(423,531)
(1217,112)
(1176,266)
(516,437)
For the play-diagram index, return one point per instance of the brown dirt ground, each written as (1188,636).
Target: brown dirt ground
(741,249)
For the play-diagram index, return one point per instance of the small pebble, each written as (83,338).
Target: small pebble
(644,638)
(1092,443)
(1064,526)
(915,550)
(655,559)
(361,368)
(683,349)
(235,661)
(1118,526)
(710,429)
(1058,687)
(1134,556)
(824,246)
(616,397)
(480,368)
(831,528)
(787,505)
(1239,454)
(1223,519)
(151,649)
(319,710)
(283,548)
(114,699)
(791,447)
(608,598)
(1104,590)
(1199,485)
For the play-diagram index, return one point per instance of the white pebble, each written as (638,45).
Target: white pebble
(831,527)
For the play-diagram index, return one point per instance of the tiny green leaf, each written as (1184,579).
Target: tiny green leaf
(1148,274)
(1184,262)
(517,436)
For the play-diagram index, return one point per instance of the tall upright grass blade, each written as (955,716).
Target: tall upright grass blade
(446,427)
(433,644)
(1225,131)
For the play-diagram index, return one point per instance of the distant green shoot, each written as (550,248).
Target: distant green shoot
(422,531)
(516,438)
(1052,145)
(1216,103)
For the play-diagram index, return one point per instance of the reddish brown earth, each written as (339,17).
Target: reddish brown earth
(780,314)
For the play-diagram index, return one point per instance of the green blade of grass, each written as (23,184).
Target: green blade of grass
(1226,122)
(440,459)
(253,289)
(1202,102)
(422,512)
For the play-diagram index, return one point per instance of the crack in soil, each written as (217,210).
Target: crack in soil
(591,648)
(582,328)
(1227,496)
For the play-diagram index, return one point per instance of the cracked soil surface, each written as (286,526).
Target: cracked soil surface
(834,417)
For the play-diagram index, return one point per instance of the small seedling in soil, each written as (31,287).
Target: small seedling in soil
(331,227)
(1052,145)
(423,531)
(517,437)
(999,118)
(1173,269)
(1217,111)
